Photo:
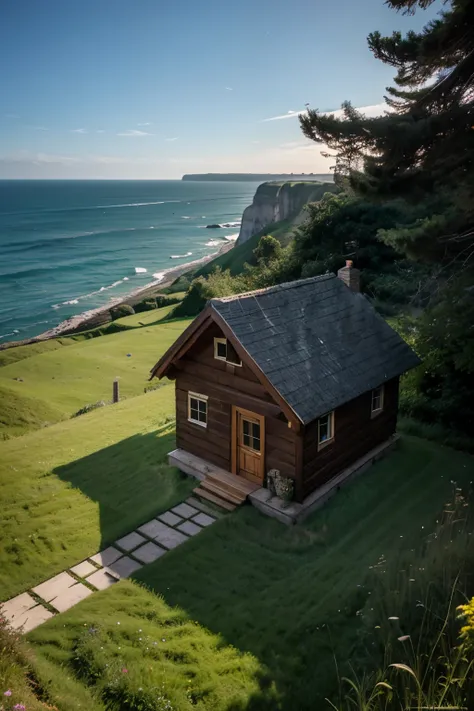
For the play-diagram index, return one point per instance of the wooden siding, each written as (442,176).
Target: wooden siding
(226,385)
(355,433)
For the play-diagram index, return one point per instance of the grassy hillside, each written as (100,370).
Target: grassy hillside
(73,488)
(251,614)
(42,385)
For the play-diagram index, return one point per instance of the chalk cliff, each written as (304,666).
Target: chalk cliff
(279,201)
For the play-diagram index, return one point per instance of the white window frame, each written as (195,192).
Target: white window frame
(201,398)
(378,410)
(324,443)
(217,341)
(218,357)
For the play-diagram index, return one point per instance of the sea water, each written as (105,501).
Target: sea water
(69,246)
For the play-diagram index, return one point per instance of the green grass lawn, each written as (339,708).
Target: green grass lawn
(164,653)
(70,489)
(57,380)
(285,598)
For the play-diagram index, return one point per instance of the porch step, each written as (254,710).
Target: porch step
(205,494)
(223,492)
(235,484)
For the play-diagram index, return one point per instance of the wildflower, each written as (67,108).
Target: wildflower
(118,623)
(163,640)
(7,692)
(19,707)
(393,618)
(124,671)
(404,638)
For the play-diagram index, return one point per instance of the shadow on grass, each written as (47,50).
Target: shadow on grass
(130,481)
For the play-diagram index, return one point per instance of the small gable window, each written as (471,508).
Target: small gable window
(223,350)
(377,400)
(325,429)
(197,409)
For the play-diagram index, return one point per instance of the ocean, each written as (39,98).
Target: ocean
(69,246)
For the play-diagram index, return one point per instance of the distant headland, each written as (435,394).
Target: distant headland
(260,177)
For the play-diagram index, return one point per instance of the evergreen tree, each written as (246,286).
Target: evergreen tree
(422,149)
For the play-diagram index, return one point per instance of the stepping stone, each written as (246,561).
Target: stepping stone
(148,553)
(128,543)
(70,597)
(170,518)
(152,528)
(17,606)
(189,528)
(184,510)
(203,519)
(30,619)
(82,570)
(23,613)
(169,537)
(123,567)
(50,589)
(102,579)
(106,557)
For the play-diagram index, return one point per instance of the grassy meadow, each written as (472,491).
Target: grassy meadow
(44,383)
(250,615)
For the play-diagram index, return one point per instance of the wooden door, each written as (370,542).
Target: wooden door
(249,445)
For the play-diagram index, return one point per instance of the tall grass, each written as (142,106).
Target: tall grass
(410,640)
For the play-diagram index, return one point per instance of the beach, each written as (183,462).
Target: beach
(88,319)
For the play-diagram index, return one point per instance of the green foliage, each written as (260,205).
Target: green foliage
(121,310)
(155,302)
(268,249)
(135,652)
(409,653)
(90,408)
(36,683)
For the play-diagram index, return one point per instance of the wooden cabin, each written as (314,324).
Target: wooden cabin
(302,377)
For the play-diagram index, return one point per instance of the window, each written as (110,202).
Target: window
(325,429)
(223,350)
(197,409)
(220,348)
(251,434)
(377,400)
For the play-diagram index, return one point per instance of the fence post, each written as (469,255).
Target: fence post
(116,396)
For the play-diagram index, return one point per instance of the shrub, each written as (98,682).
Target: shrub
(90,407)
(121,310)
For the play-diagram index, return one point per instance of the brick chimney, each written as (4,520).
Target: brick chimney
(350,275)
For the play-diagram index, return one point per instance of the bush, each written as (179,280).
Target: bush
(90,407)
(121,310)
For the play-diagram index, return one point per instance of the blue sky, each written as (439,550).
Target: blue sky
(157,88)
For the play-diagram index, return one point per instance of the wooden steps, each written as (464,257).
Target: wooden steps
(204,494)
(225,489)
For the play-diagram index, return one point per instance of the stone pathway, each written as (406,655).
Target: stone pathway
(127,555)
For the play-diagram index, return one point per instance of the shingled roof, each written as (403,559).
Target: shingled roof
(317,342)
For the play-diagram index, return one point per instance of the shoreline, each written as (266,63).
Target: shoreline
(78,323)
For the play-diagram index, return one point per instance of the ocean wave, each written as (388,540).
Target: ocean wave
(140,270)
(214,243)
(27,246)
(185,217)
(73,302)
(12,333)
(91,207)
(159,276)
(232,238)
(181,256)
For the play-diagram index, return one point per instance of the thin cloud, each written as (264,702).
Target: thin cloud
(172,139)
(228,88)
(146,123)
(370,111)
(79,130)
(134,132)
